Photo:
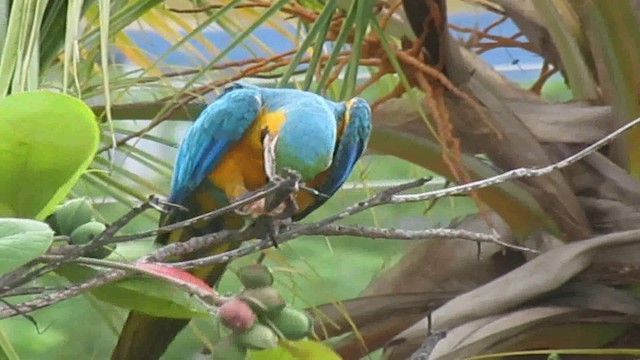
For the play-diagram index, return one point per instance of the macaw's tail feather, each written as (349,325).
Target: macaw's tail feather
(145,337)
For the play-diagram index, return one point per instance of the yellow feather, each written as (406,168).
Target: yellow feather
(241,169)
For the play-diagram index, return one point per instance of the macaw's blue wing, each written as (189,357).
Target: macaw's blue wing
(217,128)
(354,129)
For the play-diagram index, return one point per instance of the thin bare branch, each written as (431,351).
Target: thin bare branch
(45,300)
(280,183)
(32,270)
(342,230)
(515,173)
(208,296)
(399,234)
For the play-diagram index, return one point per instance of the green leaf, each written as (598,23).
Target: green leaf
(58,25)
(48,140)
(22,240)
(296,350)
(320,26)
(149,295)
(364,12)
(345,31)
(558,23)
(323,20)
(7,351)
(616,44)
(10,44)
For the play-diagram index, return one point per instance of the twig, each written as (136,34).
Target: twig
(427,347)
(121,270)
(29,318)
(199,243)
(383,197)
(175,249)
(399,234)
(116,226)
(210,297)
(28,272)
(32,290)
(292,9)
(229,255)
(515,173)
(499,41)
(340,230)
(281,183)
(45,300)
(55,297)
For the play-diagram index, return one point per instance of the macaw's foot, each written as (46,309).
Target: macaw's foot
(271,228)
(257,209)
(164,206)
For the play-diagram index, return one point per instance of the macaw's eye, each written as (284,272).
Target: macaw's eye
(263,134)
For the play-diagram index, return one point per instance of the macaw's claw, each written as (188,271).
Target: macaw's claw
(257,209)
(272,228)
(164,206)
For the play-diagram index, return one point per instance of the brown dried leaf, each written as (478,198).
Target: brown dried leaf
(537,278)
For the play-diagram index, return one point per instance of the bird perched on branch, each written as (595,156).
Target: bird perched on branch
(222,158)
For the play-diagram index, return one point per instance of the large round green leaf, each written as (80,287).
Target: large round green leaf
(22,240)
(296,350)
(47,140)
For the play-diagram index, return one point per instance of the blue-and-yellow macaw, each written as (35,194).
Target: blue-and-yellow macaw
(221,159)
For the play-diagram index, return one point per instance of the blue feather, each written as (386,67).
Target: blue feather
(310,119)
(352,143)
(217,128)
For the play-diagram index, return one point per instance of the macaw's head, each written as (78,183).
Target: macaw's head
(307,138)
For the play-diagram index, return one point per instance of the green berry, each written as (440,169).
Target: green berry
(228,349)
(70,215)
(264,301)
(255,276)
(87,232)
(292,323)
(259,337)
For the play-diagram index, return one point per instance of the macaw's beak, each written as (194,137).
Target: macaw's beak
(280,203)
(269,142)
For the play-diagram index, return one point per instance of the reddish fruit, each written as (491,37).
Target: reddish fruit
(236,315)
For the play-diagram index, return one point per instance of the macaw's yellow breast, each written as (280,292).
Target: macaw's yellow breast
(241,169)
(304,198)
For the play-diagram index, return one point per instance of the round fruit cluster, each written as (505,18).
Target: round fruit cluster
(75,220)
(258,317)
